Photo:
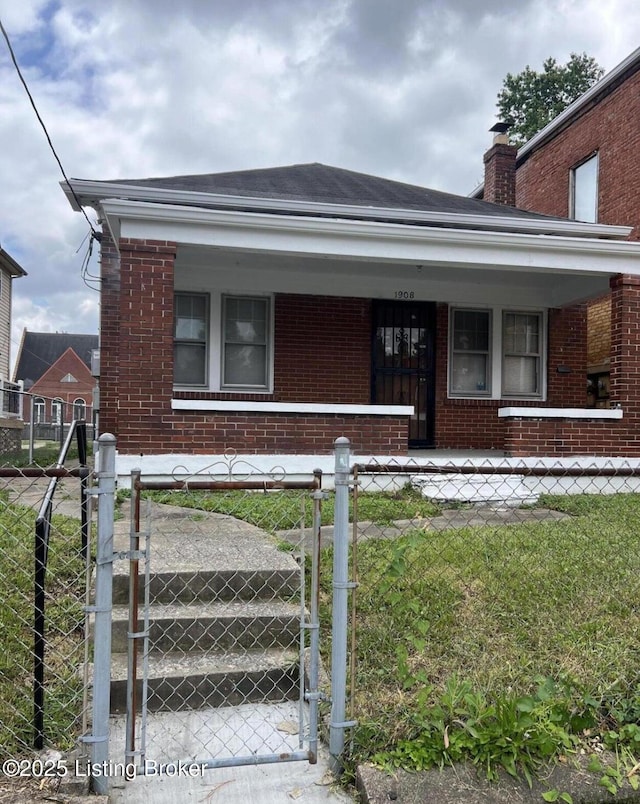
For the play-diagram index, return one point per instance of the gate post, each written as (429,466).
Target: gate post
(103,597)
(341,587)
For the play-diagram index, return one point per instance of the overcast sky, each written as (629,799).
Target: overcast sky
(404,89)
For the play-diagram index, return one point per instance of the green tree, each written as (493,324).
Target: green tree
(530,99)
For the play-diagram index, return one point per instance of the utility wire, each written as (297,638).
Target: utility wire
(94,232)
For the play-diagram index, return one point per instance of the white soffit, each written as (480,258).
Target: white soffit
(367,240)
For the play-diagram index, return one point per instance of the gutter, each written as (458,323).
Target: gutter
(95,192)
(10,265)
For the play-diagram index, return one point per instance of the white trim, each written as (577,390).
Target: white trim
(177,466)
(559,413)
(243,406)
(102,192)
(366,240)
(573,176)
(496,353)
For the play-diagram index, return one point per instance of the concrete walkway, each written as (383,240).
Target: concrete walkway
(214,551)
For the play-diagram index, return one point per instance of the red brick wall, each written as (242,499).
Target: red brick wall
(322,349)
(49,386)
(611,128)
(625,346)
(109,332)
(500,174)
(567,349)
(145,360)
(203,433)
(562,437)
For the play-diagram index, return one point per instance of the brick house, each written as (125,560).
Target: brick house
(584,165)
(55,368)
(271,310)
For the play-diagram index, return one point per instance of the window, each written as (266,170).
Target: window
(497,353)
(470,357)
(79,409)
(584,191)
(521,354)
(56,411)
(245,342)
(38,410)
(190,339)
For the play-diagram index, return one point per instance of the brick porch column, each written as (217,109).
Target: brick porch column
(109,332)
(145,364)
(625,349)
(567,357)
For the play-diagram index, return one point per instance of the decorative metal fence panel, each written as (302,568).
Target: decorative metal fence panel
(215,635)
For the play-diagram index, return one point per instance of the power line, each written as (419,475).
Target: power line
(94,232)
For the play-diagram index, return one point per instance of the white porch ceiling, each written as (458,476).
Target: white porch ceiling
(199,268)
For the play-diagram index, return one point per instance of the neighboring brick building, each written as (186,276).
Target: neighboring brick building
(270,311)
(55,368)
(584,165)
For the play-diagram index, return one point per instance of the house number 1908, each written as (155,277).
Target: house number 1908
(404,294)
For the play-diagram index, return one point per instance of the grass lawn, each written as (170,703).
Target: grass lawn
(501,645)
(64,616)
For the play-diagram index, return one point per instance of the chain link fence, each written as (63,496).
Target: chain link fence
(43,662)
(209,660)
(497,611)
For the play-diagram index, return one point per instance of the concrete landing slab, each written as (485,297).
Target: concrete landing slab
(224,732)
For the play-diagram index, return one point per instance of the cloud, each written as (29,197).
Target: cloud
(132,88)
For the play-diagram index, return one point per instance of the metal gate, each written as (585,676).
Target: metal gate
(215,632)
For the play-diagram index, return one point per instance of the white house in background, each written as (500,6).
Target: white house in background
(9,270)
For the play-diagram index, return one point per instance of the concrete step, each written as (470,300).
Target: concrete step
(482,489)
(213,625)
(186,586)
(179,682)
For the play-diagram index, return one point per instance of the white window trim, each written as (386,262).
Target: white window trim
(214,344)
(265,389)
(57,413)
(495,351)
(197,386)
(486,394)
(542,344)
(572,186)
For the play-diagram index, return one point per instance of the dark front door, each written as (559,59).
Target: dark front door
(403,371)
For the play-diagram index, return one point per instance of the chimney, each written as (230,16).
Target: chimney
(500,168)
